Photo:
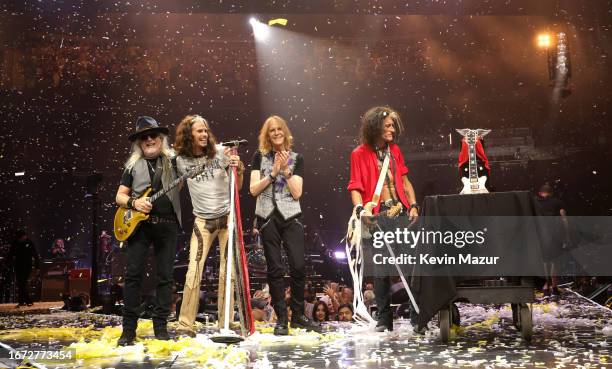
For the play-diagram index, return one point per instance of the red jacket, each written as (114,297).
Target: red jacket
(364,173)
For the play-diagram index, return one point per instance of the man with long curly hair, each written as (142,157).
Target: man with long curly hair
(197,149)
(380,128)
(149,166)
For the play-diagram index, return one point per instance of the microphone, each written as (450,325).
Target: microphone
(234,143)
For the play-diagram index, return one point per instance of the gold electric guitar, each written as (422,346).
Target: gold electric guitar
(126,220)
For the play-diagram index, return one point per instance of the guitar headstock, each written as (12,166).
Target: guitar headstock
(472,134)
(482,132)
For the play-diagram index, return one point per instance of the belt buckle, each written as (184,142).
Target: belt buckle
(388,203)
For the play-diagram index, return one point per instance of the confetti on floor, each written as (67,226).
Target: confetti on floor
(569,332)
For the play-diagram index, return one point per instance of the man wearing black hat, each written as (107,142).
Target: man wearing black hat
(23,256)
(149,165)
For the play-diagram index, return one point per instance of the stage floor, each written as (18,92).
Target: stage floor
(569,332)
(44,307)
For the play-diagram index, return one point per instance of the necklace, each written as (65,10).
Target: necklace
(201,161)
(151,166)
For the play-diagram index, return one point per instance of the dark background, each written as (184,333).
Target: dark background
(75,75)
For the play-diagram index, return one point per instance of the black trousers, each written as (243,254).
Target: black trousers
(382,282)
(21,276)
(382,288)
(382,292)
(276,232)
(163,236)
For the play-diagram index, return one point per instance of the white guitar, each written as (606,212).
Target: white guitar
(473,182)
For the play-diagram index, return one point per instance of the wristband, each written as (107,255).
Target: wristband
(272,178)
(358,209)
(414,206)
(130,203)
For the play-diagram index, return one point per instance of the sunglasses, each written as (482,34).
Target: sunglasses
(384,114)
(146,136)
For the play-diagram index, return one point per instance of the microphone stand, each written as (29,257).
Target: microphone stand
(226,335)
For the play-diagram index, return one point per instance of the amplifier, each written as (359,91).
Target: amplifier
(56,268)
(79,282)
(53,287)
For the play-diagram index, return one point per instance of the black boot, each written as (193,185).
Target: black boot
(127,338)
(160,328)
(384,325)
(302,321)
(281,328)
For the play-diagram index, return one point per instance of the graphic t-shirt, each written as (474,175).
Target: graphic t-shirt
(209,190)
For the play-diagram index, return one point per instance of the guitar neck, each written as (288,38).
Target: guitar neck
(472,163)
(174,183)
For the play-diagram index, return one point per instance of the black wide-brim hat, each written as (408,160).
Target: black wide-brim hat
(146,124)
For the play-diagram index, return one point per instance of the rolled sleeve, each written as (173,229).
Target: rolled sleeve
(355,182)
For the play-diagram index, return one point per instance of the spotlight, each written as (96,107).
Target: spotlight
(340,255)
(260,30)
(544,40)
(19,174)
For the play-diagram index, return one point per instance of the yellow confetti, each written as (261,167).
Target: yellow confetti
(281,21)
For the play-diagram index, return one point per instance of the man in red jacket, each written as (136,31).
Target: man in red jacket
(380,128)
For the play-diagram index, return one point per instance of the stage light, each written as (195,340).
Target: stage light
(260,30)
(19,174)
(544,40)
(340,255)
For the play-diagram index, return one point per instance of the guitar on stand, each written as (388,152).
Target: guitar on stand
(126,220)
(474,175)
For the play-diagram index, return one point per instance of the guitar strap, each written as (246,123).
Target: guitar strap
(389,181)
(381,178)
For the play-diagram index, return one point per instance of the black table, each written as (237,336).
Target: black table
(436,293)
